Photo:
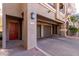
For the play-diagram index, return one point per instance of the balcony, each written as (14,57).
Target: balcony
(61,8)
(61,11)
(50,6)
(53,5)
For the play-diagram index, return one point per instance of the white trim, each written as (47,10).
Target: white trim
(43,51)
(42,30)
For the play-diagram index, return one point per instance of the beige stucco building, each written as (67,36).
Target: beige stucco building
(0,18)
(33,21)
(0,23)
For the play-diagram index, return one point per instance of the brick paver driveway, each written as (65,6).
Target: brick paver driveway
(60,46)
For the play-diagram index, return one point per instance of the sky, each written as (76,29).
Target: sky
(77,7)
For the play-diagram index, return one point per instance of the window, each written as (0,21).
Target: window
(61,7)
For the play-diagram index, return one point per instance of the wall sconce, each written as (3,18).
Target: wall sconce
(32,15)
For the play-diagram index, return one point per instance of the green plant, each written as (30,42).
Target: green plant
(73,20)
(78,29)
(73,30)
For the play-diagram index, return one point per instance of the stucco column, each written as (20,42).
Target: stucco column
(42,31)
(4,29)
(58,30)
(51,30)
(63,30)
(4,37)
(29,27)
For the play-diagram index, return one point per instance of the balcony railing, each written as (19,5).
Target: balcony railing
(49,7)
(52,5)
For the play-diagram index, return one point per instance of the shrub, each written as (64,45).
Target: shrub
(73,30)
(78,29)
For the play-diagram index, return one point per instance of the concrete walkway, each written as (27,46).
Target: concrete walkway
(16,49)
(21,52)
(56,46)
(60,46)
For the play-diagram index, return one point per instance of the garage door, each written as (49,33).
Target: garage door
(38,31)
(54,29)
(47,31)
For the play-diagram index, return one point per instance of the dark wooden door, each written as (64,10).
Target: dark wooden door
(13,31)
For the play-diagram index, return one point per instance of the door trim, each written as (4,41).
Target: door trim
(19,19)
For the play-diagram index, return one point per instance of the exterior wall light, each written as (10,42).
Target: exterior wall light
(32,15)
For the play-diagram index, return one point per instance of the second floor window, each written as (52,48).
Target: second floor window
(61,7)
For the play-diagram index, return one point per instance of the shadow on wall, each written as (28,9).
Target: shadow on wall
(0,35)
(0,39)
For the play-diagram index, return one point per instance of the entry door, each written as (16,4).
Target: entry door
(13,31)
